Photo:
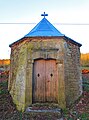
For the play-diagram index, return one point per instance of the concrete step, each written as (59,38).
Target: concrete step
(44,112)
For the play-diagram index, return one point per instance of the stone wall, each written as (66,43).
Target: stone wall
(21,70)
(24,53)
(17,79)
(72,72)
(46,48)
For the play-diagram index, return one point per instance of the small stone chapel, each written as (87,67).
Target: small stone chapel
(45,68)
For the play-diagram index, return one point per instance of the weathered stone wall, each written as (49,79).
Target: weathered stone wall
(21,70)
(17,80)
(24,53)
(72,72)
(46,48)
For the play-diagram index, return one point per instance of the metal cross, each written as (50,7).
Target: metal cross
(44,14)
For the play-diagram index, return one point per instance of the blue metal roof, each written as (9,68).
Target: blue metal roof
(44,28)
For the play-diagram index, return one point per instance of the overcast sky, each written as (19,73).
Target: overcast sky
(61,13)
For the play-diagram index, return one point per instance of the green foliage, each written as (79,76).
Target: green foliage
(65,111)
(85,79)
(20,115)
(3,85)
(3,92)
(86,87)
(84,116)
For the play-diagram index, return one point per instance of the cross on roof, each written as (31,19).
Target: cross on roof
(44,14)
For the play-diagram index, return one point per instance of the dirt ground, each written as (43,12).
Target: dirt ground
(79,110)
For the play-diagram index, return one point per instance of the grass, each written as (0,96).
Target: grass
(86,87)
(75,116)
(82,68)
(84,116)
(3,87)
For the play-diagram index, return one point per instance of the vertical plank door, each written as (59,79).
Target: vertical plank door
(39,81)
(45,85)
(51,81)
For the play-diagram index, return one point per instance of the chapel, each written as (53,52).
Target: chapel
(45,68)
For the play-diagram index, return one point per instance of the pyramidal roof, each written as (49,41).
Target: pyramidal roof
(44,28)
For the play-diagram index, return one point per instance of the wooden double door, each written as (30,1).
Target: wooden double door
(45,81)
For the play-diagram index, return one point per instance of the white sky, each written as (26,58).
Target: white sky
(29,11)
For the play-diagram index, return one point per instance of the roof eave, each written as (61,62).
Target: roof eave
(33,37)
(67,38)
(16,42)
